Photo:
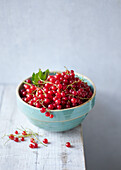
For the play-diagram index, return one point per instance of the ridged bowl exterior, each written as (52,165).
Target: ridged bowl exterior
(64,119)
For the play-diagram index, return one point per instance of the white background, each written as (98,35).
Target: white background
(81,35)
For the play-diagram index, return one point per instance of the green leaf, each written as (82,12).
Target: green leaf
(39,76)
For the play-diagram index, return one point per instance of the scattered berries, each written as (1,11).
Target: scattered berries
(30,134)
(45,141)
(68,144)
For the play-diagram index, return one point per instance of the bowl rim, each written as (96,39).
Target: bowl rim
(77,74)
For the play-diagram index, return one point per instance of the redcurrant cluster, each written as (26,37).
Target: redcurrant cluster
(17,137)
(60,91)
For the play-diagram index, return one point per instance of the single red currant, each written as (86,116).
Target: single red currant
(45,141)
(50,106)
(24,133)
(47,114)
(60,86)
(32,140)
(73,100)
(58,101)
(22,138)
(16,139)
(35,145)
(51,116)
(68,144)
(28,81)
(16,132)
(11,136)
(42,110)
(59,106)
(24,93)
(32,87)
(26,86)
(31,146)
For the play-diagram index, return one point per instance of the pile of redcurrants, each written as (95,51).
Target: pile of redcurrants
(60,91)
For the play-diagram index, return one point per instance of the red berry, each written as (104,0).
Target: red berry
(58,101)
(47,114)
(65,98)
(50,92)
(11,136)
(53,87)
(45,141)
(31,102)
(68,144)
(33,87)
(63,94)
(16,139)
(31,146)
(26,86)
(24,133)
(51,116)
(32,140)
(28,81)
(66,76)
(59,106)
(42,110)
(29,90)
(52,80)
(38,105)
(41,96)
(29,96)
(74,93)
(60,86)
(73,100)
(22,138)
(24,93)
(47,100)
(50,106)
(35,145)
(58,95)
(16,132)
(72,71)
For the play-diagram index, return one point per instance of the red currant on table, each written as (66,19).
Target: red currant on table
(35,145)
(11,136)
(24,133)
(16,139)
(16,132)
(22,138)
(45,141)
(31,146)
(68,144)
(32,140)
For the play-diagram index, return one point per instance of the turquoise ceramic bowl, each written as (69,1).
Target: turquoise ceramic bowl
(63,119)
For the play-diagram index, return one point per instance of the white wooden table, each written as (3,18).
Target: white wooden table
(19,156)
